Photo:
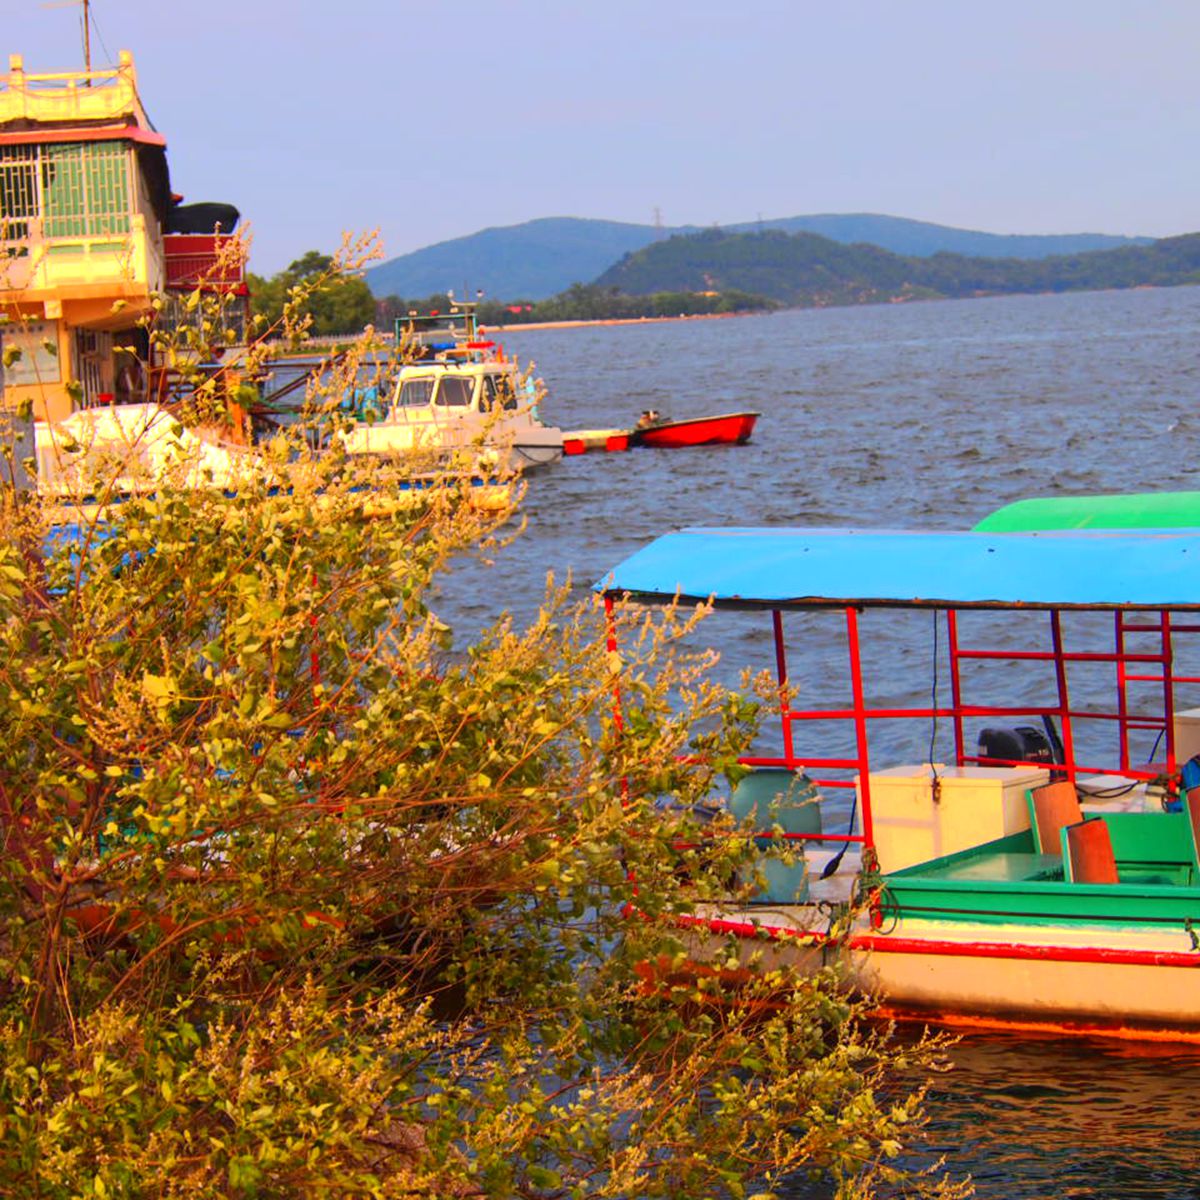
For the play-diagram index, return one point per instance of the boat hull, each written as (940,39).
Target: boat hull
(527,454)
(1136,983)
(580,441)
(728,429)
(512,445)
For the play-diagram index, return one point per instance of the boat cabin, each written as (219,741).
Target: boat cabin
(442,407)
(483,387)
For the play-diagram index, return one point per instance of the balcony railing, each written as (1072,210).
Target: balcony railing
(74,96)
(124,263)
(210,261)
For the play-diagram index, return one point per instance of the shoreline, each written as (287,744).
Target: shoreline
(519,326)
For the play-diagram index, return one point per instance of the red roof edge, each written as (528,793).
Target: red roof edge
(95,133)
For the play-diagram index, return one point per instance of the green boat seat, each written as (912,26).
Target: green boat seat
(777,796)
(792,794)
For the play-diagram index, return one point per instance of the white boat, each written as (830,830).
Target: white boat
(125,449)
(443,406)
(1033,880)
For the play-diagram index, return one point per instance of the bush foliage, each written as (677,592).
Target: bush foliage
(300,899)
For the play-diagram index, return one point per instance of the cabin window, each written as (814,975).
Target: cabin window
(77,190)
(455,391)
(415,392)
(499,392)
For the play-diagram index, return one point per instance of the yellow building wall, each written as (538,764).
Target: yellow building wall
(91,283)
(49,396)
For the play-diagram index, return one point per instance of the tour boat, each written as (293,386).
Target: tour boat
(1033,878)
(463,392)
(730,429)
(442,406)
(133,448)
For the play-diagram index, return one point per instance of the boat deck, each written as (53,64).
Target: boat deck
(1010,866)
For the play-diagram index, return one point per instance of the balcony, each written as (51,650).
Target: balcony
(124,264)
(72,98)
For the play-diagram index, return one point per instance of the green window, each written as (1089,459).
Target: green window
(78,189)
(18,191)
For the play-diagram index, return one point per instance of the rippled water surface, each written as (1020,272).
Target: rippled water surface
(923,415)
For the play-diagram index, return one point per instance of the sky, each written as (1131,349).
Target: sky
(432,120)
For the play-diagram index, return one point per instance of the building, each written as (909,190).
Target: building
(90,234)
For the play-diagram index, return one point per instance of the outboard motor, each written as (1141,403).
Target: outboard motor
(1021,743)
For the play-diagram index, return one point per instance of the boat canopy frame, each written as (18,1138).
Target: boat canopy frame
(778,570)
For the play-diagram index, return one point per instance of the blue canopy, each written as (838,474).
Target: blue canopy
(810,568)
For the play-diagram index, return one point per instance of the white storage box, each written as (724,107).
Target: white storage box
(976,805)
(1187,735)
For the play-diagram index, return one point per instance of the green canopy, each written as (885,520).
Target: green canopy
(1146,510)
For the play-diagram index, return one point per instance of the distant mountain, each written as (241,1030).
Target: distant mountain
(541,258)
(806,269)
(513,262)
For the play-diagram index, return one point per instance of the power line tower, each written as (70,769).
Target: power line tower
(658,222)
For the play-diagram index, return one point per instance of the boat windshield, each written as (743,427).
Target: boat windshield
(415,391)
(499,392)
(455,391)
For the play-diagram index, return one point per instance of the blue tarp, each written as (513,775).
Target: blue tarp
(820,567)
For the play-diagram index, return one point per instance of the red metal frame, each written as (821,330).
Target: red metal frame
(1122,658)
(861,713)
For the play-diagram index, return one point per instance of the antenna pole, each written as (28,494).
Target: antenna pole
(87,38)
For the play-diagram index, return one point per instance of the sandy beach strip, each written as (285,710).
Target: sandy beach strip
(519,326)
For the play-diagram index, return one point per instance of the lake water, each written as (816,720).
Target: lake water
(922,415)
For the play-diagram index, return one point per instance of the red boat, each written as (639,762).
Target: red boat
(728,429)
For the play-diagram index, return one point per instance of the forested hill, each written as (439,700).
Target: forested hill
(539,258)
(804,269)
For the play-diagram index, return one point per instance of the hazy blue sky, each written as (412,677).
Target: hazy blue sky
(434,120)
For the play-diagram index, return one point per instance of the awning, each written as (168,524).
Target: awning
(815,568)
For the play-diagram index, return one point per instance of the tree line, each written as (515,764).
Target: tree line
(342,304)
(805,269)
(584,302)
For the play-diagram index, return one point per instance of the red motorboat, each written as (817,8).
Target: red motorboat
(727,429)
